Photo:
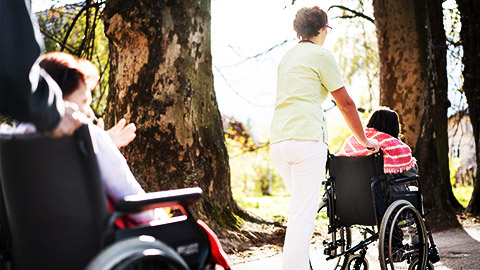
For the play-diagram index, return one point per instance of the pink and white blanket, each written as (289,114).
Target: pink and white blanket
(397,156)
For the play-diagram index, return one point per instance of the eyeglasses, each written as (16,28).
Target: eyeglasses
(328,28)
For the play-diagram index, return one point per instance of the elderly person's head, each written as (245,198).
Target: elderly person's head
(385,120)
(76,77)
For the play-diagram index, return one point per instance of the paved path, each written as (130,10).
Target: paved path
(459,250)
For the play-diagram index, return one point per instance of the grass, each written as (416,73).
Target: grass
(463,194)
(273,208)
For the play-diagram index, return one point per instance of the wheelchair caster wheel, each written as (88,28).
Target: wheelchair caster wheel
(414,265)
(356,262)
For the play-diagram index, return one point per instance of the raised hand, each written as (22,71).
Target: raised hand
(121,133)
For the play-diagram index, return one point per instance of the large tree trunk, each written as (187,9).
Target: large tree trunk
(470,39)
(413,83)
(161,79)
(402,65)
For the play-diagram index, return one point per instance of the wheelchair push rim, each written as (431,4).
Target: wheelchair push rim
(143,252)
(403,238)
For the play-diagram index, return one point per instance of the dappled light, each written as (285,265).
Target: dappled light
(226,97)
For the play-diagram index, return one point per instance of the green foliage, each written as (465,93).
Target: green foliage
(454,164)
(358,49)
(274,208)
(338,132)
(252,169)
(463,194)
(78,29)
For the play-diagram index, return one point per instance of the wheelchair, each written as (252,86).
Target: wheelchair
(54,214)
(358,193)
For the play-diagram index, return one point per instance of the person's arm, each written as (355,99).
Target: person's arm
(27,93)
(349,111)
(117,178)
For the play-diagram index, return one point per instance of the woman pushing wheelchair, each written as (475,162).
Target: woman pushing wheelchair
(306,75)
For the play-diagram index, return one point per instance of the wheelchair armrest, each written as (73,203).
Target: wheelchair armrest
(404,180)
(141,202)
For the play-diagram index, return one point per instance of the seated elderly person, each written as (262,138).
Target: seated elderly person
(77,78)
(383,125)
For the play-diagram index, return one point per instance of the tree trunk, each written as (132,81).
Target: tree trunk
(413,83)
(403,77)
(161,79)
(470,19)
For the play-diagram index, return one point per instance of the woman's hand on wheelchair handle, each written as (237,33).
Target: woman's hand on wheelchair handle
(372,145)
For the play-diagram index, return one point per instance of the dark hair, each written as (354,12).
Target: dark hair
(309,21)
(62,67)
(385,120)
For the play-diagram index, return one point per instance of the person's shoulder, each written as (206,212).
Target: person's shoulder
(317,53)
(322,52)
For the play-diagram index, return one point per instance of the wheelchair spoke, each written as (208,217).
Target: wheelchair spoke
(403,238)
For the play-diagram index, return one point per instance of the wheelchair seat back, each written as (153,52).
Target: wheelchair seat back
(54,200)
(351,180)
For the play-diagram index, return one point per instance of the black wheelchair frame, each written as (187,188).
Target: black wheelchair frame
(358,193)
(54,214)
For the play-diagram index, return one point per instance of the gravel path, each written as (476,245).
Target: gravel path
(459,250)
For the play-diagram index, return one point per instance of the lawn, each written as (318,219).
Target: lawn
(273,208)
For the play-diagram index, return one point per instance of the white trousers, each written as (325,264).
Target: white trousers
(301,164)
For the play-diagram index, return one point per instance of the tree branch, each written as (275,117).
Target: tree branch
(52,37)
(262,53)
(355,13)
(72,25)
(70,29)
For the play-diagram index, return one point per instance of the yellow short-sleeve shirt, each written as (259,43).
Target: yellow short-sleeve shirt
(306,74)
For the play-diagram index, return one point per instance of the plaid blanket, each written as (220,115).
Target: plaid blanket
(397,156)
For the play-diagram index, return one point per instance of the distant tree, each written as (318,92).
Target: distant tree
(361,66)
(470,41)
(413,82)
(161,79)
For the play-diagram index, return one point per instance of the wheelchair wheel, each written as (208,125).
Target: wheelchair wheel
(414,265)
(142,253)
(403,237)
(356,262)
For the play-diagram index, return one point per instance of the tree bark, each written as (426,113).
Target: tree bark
(437,93)
(161,79)
(413,83)
(402,71)
(470,40)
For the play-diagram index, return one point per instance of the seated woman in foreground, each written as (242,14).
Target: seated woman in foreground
(383,125)
(77,78)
